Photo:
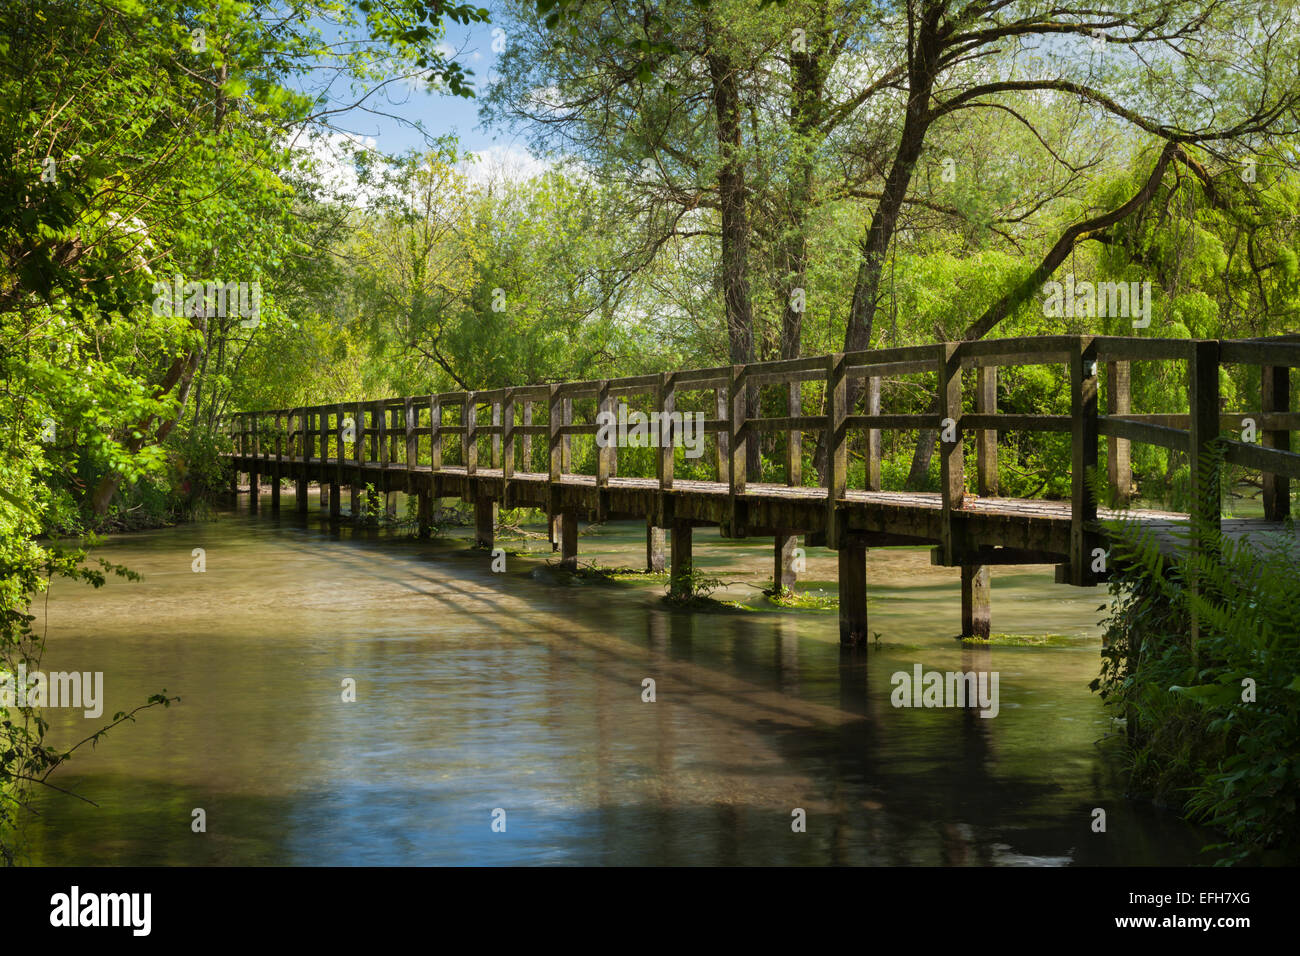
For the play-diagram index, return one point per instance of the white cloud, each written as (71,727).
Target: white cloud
(503,162)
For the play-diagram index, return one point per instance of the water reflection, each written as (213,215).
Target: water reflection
(479,690)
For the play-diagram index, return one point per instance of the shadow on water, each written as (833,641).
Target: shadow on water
(478,691)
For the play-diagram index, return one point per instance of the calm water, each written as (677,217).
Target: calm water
(478,691)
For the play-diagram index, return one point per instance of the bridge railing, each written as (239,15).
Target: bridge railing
(392,432)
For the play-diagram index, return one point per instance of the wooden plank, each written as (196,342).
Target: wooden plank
(555,415)
(892,422)
(1272,354)
(723,433)
(507,407)
(1136,349)
(794,440)
(907,353)
(435,433)
(1146,434)
(804,423)
(469,418)
(1011,422)
(738,437)
(1271,461)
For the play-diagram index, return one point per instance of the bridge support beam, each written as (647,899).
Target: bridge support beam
(679,583)
(424,513)
(300,491)
(783,572)
(853,594)
(569,540)
(354,502)
(1277,398)
(336,503)
(485,515)
(976,600)
(656,540)
(275,490)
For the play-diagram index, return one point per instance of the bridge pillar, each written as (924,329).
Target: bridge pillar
(976,600)
(679,583)
(390,503)
(300,491)
(656,539)
(569,540)
(336,504)
(354,502)
(853,594)
(275,489)
(424,513)
(783,573)
(485,513)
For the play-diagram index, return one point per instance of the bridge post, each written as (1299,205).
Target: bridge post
(783,572)
(435,433)
(723,436)
(665,456)
(1276,389)
(566,445)
(358,442)
(336,482)
(569,540)
(496,436)
(679,573)
(1203,399)
(526,445)
(952,454)
(853,593)
(976,600)
(508,441)
(875,447)
(484,521)
(469,418)
(794,438)
(837,450)
(1119,401)
(986,439)
(605,455)
(279,462)
(323,422)
(738,437)
(254,475)
(1083,460)
(656,540)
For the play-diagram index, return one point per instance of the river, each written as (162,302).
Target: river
(522,693)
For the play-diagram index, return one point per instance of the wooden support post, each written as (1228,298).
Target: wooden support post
(794,438)
(665,456)
(1119,401)
(1276,395)
(853,593)
(569,540)
(555,444)
(424,513)
(435,433)
(837,445)
(469,418)
(976,604)
(336,484)
(507,412)
(656,541)
(738,435)
(1083,447)
(566,446)
(526,445)
(724,452)
(279,462)
(952,457)
(496,435)
(783,570)
(411,413)
(381,413)
(1206,472)
(484,524)
(254,474)
(605,455)
(680,568)
(358,456)
(986,439)
(875,447)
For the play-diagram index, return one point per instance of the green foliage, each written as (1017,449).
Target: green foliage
(1214,719)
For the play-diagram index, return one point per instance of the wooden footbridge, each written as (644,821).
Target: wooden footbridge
(429,446)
